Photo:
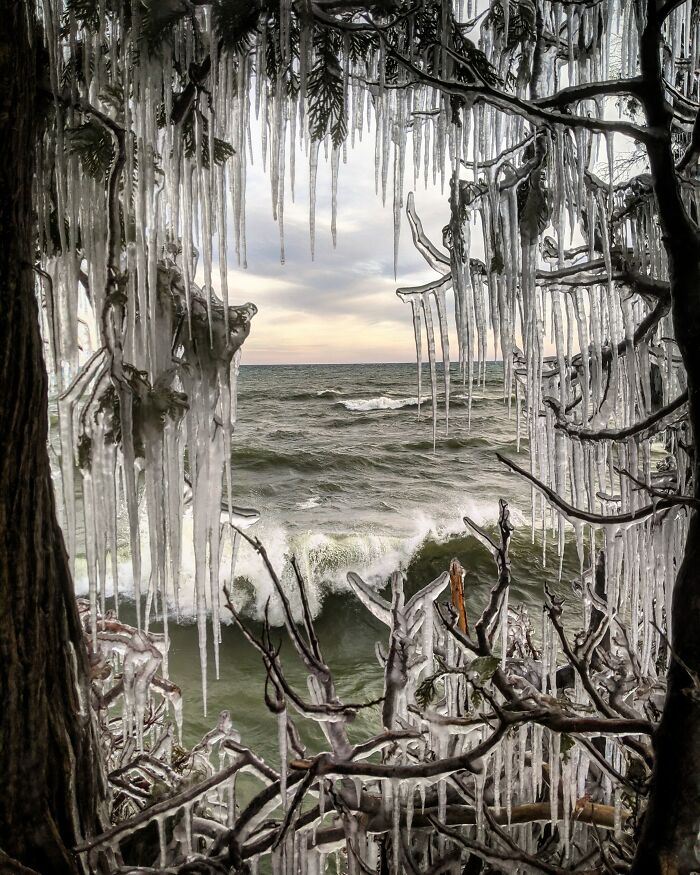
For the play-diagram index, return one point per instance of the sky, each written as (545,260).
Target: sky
(342,307)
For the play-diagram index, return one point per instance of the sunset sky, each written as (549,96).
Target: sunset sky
(342,307)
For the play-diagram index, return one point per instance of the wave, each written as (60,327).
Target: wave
(260,458)
(442,443)
(310,503)
(264,460)
(383,402)
(309,396)
(325,558)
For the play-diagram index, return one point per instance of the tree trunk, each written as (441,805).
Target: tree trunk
(49,766)
(670,838)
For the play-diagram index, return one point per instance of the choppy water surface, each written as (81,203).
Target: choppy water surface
(345,476)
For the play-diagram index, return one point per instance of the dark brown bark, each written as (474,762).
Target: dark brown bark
(670,839)
(49,772)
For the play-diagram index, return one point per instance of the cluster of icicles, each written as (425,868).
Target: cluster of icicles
(555,258)
(157,432)
(138,251)
(436,762)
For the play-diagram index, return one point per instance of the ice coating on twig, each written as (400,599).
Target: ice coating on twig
(494,732)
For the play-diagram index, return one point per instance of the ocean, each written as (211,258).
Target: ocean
(344,475)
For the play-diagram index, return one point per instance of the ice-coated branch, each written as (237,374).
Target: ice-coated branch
(303,648)
(687,500)
(500,553)
(644,429)
(324,712)
(449,621)
(667,8)
(439,768)
(308,618)
(553,608)
(350,783)
(114,306)
(168,806)
(590,91)
(509,103)
(594,272)
(507,860)
(573,514)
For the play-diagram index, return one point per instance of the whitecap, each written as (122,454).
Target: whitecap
(325,557)
(383,402)
(310,503)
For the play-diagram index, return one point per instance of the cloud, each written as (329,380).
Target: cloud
(342,306)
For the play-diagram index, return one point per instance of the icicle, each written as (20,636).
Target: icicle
(396,826)
(282,744)
(313,169)
(410,792)
(428,320)
(416,311)
(508,750)
(160,822)
(445,343)
(335,157)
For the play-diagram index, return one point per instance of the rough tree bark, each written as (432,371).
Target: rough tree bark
(670,839)
(49,770)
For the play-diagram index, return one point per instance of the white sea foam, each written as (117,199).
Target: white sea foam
(324,558)
(310,503)
(383,402)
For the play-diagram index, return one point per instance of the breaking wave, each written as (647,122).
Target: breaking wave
(324,558)
(383,402)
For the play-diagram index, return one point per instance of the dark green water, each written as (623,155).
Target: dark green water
(348,634)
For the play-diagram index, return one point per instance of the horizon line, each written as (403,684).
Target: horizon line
(346,364)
